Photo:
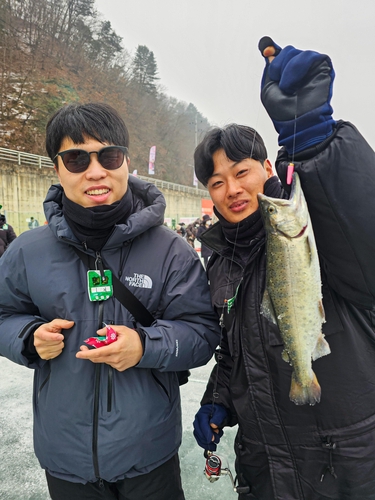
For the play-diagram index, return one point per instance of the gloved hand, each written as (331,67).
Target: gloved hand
(296,91)
(203,432)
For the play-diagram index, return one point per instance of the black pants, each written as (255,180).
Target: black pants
(163,483)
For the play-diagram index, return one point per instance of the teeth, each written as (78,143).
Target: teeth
(98,191)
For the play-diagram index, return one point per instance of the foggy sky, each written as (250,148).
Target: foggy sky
(206,52)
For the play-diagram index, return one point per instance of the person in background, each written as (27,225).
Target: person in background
(181,230)
(285,451)
(191,232)
(7,234)
(107,421)
(33,223)
(205,251)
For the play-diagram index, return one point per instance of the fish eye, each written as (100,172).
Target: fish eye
(271,209)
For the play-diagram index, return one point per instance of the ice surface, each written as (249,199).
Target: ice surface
(21,477)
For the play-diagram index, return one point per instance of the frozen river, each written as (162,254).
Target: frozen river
(21,477)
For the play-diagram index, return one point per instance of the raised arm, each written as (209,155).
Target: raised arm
(335,164)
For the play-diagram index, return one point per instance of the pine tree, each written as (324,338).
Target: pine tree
(144,69)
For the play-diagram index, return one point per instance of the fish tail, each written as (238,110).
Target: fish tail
(305,394)
(321,348)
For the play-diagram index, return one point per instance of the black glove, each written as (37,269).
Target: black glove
(296,91)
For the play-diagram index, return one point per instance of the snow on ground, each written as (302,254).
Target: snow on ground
(21,477)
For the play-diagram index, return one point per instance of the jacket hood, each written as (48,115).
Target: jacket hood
(149,208)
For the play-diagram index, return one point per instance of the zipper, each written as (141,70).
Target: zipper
(96,397)
(109,388)
(329,445)
(274,403)
(110,383)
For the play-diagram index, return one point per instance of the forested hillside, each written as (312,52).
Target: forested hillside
(54,52)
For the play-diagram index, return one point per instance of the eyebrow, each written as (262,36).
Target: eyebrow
(231,166)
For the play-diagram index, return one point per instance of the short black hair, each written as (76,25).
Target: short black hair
(79,121)
(237,141)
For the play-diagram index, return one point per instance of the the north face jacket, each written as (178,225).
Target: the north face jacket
(326,451)
(91,421)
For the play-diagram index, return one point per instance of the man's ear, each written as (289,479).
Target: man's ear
(268,168)
(56,170)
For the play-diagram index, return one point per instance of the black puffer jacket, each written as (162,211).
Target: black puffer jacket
(326,451)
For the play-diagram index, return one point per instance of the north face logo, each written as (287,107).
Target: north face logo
(139,280)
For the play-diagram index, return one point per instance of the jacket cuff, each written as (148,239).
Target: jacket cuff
(309,153)
(29,351)
(142,337)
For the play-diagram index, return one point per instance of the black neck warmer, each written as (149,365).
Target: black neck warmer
(93,225)
(251,229)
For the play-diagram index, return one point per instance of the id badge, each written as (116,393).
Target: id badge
(99,288)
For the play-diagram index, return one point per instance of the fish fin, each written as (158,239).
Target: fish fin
(285,356)
(311,248)
(311,243)
(301,395)
(322,312)
(321,348)
(266,308)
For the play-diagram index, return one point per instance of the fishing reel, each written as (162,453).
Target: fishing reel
(214,470)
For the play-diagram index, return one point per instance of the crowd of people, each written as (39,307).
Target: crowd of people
(193,232)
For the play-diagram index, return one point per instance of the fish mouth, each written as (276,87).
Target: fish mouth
(285,233)
(301,233)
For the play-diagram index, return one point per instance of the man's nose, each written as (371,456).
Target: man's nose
(234,187)
(95,167)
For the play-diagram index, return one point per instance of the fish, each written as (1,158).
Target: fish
(292,298)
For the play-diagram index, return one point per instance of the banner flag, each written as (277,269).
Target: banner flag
(151,161)
(152,154)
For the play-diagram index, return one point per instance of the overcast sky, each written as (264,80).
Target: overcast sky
(206,52)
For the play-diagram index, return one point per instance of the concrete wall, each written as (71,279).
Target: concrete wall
(23,190)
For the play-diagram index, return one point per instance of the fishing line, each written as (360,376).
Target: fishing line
(290,169)
(294,134)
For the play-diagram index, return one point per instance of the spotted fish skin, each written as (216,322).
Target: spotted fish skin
(293,298)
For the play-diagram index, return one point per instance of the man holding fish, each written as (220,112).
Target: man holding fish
(292,277)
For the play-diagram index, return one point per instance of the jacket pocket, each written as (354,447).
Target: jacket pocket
(345,455)
(43,379)
(161,380)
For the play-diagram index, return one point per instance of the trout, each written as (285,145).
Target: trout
(293,298)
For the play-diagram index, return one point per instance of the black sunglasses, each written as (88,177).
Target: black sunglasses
(78,160)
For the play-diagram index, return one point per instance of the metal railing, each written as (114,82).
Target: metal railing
(29,159)
(22,158)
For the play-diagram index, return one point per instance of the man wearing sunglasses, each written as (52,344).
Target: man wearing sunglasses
(107,421)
